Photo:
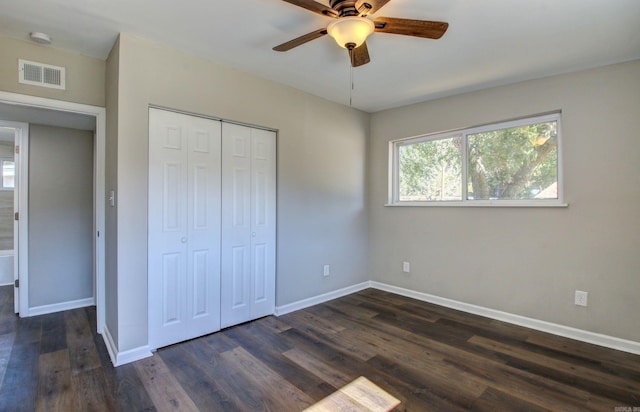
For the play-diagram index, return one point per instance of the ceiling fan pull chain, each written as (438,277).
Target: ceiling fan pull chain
(351,85)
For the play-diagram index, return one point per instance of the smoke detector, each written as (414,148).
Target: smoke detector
(39,37)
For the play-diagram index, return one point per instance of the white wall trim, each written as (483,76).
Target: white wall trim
(132,355)
(21,229)
(315,300)
(99,200)
(121,358)
(110,344)
(59,307)
(543,326)
(553,328)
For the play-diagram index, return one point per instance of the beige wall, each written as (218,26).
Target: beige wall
(527,261)
(322,217)
(84,75)
(478,256)
(60,215)
(111,183)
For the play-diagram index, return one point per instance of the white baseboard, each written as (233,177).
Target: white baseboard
(110,344)
(553,328)
(58,307)
(543,326)
(121,358)
(305,303)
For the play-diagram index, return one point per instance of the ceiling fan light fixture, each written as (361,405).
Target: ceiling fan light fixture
(351,32)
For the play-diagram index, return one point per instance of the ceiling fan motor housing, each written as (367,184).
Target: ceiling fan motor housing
(347,7)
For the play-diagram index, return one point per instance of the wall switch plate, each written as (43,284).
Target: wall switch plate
(581,298)
(326,270)
(406,267)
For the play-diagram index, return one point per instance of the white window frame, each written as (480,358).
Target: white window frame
(2,160)
(394,185)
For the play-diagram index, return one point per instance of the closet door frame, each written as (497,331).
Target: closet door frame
(267,306)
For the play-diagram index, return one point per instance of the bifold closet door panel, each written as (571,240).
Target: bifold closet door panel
(248,224)
(184,227)
(236,225)
(204,228)
(263,222)
(167,254)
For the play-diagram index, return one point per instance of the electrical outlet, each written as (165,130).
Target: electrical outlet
(406,267)
(581,298)
(326,270)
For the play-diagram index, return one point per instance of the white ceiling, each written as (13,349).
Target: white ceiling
(489,43)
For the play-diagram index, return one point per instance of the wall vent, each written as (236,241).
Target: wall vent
(40,74)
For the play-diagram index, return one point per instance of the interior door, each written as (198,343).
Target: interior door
(236,225)
(248,229)
(263,222)
(16,211)
(203,221)
(184,227)
(18,134)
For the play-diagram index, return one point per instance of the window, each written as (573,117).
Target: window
(511,163)
(8,174)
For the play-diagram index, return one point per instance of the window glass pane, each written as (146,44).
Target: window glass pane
(516,163)
(8,174)
(430,170)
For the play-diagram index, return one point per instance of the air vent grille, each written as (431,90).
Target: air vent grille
(40,74)
(32,73)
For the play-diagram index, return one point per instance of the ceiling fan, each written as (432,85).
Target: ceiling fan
(352,26)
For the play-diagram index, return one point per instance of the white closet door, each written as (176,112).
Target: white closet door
(263,222)
(203,220)
(184,227)
(248,224)
(236,225)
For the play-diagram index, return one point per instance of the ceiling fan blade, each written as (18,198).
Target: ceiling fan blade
(359,56)
(408,27)
(366,7)
(300,40)
(314,6)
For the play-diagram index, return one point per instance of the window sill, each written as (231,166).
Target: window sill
(489,203)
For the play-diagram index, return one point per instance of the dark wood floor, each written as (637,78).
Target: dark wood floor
(429,357)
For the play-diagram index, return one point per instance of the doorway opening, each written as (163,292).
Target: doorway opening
(7,203)
(55,113)
(12,135)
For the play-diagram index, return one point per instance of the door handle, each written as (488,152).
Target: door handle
(183,240)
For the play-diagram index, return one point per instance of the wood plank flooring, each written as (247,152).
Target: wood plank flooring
(430,358)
